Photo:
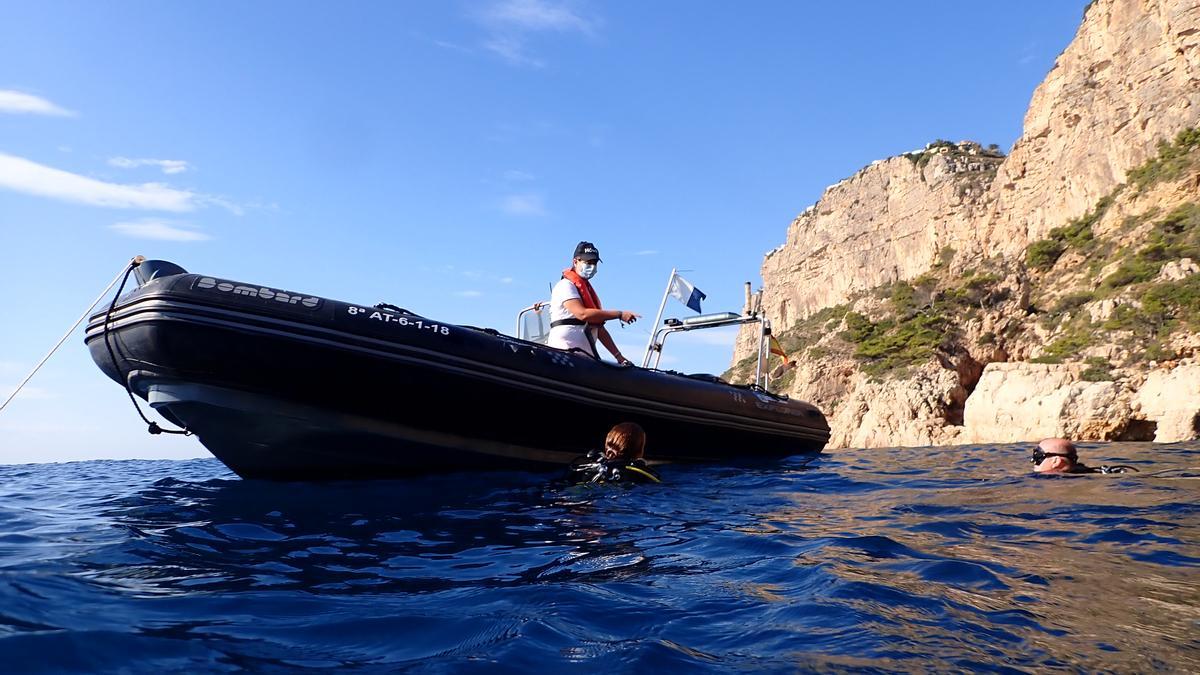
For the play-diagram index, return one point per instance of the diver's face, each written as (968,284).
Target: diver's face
(1052,462)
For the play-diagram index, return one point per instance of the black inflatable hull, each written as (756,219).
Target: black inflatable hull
(287,386)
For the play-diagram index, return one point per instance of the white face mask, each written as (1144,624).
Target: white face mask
(587,270)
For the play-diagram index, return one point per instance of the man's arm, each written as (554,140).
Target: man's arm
(593,316)
(607,341)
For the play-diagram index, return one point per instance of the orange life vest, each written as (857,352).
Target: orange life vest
(587,294)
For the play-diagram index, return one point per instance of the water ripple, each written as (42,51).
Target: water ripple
(868,561)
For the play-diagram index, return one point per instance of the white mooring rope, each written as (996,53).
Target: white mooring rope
(134,262)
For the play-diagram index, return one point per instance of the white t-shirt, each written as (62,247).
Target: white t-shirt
(567,337)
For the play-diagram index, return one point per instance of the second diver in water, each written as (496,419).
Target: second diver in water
(1058,455)
(620,462)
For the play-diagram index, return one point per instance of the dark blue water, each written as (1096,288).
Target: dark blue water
(881,560)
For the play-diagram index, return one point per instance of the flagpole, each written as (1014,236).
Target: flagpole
(658,319)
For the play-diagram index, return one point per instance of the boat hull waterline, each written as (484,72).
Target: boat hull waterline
(289,386)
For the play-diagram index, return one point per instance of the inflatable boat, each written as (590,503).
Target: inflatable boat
(291,386)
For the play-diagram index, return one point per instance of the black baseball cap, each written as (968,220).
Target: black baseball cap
(586,250)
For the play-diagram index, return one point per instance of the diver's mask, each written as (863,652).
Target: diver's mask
(587,270)
(1040,456)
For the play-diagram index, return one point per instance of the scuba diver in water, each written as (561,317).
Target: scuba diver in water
(1058,455)
(620,462)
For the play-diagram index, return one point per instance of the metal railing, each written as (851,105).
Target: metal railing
(704,321)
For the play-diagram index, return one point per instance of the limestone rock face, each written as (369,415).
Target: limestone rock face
(910,412)
(1031,401)
(1178,269)
(1172,399)
(887,222)
(1130,78)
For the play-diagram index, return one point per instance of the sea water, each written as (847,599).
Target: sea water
(943,559)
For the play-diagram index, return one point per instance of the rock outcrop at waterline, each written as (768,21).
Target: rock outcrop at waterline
(956,295)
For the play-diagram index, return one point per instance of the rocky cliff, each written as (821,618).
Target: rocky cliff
(1129,79)
(953,294)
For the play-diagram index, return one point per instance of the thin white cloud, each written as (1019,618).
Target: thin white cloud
(512,49)
(22,175)
(515,176)
(160,230)
(168,166)
(506,280)
(535,15)
(523,205)
(510,23)
(1028,54)
(257,205)
(452,46)
(469,294)
(20,103)
(235,209)
(443,44)
(647,252)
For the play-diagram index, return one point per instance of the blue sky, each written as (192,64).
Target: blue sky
(447,156)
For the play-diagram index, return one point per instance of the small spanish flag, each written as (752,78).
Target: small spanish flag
(777,349)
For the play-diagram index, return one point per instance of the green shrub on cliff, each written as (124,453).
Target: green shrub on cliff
(1135,320)
(1153,350)
(1074,340)
(903,297)
(1073,301)
(1077,233)
(1042,254)
(858,328)
(1174,300)
(1098,370)
(1132,271)
(1181,218)
(1160,308)
(976,289)
(894,343)
(1172,160)
(1176,236)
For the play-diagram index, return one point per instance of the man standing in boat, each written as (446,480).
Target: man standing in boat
(576,317)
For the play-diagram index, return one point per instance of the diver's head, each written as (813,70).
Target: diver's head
(626,441)
(1054,455)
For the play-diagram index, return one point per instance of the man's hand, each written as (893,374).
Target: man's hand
(628,317)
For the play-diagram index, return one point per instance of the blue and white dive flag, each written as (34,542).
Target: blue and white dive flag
(683,291)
